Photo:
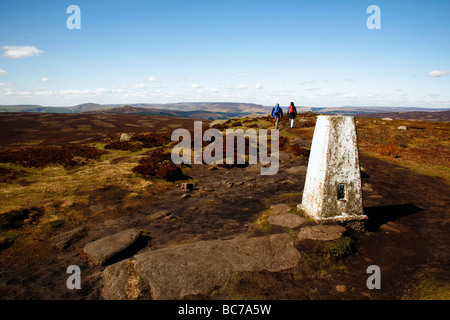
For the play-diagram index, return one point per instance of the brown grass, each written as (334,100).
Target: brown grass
(67,156)
(389,150)
(158,165)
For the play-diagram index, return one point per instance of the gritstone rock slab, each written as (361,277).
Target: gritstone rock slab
(197,268)
(321,232)
(102,251)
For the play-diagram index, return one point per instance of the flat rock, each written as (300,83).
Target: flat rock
(159,215)
(63,240)
(284,157)
(321,232)
(279,208)
(287,220)
(102,251)
(297,170)
(126,136)
(198,268)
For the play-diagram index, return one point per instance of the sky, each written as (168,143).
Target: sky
(318,53)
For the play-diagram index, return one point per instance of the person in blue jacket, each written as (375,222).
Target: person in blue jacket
(277,113)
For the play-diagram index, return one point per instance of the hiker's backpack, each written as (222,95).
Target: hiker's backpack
(291,109)
(277,110)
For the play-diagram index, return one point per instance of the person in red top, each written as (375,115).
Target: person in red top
(292,113)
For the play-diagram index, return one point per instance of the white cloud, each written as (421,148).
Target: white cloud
(16,52)
(307,82)
(240,87)
(195,85)
(184,79)
(3,72)
(45,79)
(258,86)
(153,79)
(435,73)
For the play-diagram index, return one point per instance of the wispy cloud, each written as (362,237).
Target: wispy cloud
(195,85)
(45,80)
(17,52)
(241,75)
(307,82)
(258,86)
(153,79)
(435,74)
(3,72)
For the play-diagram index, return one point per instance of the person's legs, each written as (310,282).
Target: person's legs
(276,122)
(291,122)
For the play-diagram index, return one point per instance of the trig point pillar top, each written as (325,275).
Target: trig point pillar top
(333,180)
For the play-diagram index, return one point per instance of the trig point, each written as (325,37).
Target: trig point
(333,180)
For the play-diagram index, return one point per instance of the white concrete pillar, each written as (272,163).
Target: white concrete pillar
(333,181)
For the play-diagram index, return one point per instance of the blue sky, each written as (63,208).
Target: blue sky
(315,53)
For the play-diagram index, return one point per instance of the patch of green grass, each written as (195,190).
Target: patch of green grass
(431,288)
(292,233)
(176,220)
(262,222)
(7,238)
(209,202)
(286,196)
(340,248)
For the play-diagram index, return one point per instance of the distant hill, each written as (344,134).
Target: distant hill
(199,110)
(194,114)
(436,116)
(224,110)
(362,111)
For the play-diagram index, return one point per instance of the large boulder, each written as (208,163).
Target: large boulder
(197,268)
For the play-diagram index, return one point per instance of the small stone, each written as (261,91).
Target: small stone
(104,250)
(111,222)
(125,136)
(284,157)
(187,186)
(160,214)
(297,170)
(185,196)
(402,128)
(229,184)
(341,288)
